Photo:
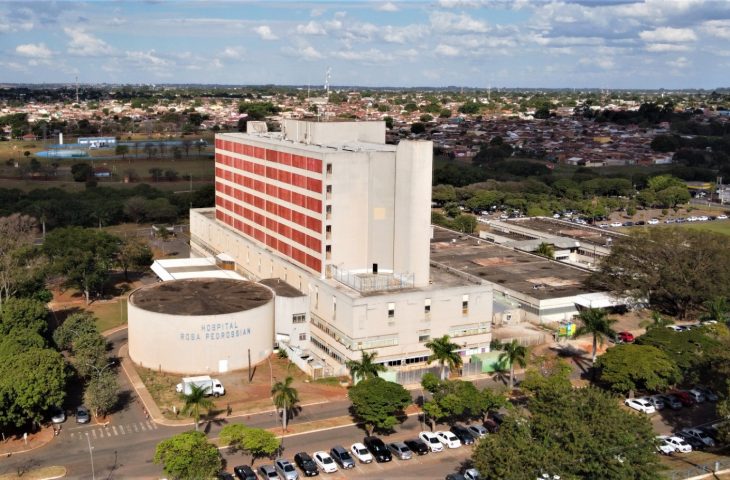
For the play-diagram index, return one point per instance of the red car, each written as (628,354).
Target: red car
(683,397)
(625,337)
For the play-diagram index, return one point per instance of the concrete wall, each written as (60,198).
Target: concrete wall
(324,133)
(200,344)
(284,328)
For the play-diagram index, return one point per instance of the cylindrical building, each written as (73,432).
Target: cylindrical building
(200,326)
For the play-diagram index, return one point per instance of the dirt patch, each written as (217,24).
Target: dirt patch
(490,262)
(553,281)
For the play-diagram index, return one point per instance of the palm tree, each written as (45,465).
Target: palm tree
(656,321)
(365,368)
(194,401)
(444,352)
(513,353)
(717,309)
(285,398)
(595,322)
(546,250)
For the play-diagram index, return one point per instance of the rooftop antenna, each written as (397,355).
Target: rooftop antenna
(77,89)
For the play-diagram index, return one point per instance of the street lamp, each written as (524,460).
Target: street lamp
(91,455)
(98,370)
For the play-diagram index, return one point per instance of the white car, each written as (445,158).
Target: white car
(477,430)
(640,404)
(703,218)
(361,453)
(677,443)
(664,448)
(653,221)
(325,462)
(722,217)
(699,435)
(448,439)
(432,441)
(617,224)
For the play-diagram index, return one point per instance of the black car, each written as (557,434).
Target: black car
(342,457)
(417,446)
(693,442)
(225,476)
(244,472)
(491,426)
(378,449)
(463,434)
(455,476)
(306,464)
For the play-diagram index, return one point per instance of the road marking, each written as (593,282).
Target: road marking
(134,425)
(121,429)
(154,425)
(93,433)
(115,431)
(141,425)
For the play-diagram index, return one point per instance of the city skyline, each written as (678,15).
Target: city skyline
(522,44)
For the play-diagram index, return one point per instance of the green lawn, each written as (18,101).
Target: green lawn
(718,226)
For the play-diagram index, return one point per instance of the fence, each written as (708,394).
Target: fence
(526,341)
(411,377)
(697,472)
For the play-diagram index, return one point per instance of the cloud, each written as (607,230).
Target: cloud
(264,31)
(452,23)
(680,62)
(668,35)
(34,50)
(602,62)
(404,34)
(311,28)
(147,59)
(446,50)
(85,44)
(717,28)
(666,47)
(232,53)
(388,7)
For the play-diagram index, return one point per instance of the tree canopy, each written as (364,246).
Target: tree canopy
(628,368)
(257,442)
(188,455)
(378,403)
(674,270)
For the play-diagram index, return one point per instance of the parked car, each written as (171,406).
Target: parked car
(268,472)
(463,434)
(361,452)
(617,224)
(58,415)
(378,449)
(711,431)
(672,402)
(663,448)
(244,472)
(657,401)
(684,397)
(286,469)
(677,443)
(477,431)
(722,217)
(472,474)
(448,439)
(342,457)
(417,446)
(306,464)
(652,221)
(432,441)
(696,395)
(400,450)
(498,417)
(82,415)
(640,405)
(625,337)
(325,462)
(491,425)
(225,476)
(700,435)
(455,476)
(694,442)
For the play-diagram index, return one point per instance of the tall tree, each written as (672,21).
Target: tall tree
(676,270)
(595,322)
(716,309)
(365,368)
(18,261)
(83,256)
(102,393)
(513,353)
(285,398)
(75,325)
(134,253)
(195,401)
(627,368)
(188,456)
(546,250)
(445,353)
(378,403)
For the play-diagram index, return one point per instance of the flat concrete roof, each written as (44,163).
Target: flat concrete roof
(277,139)
(531,275)
(561,228)
(203,296)
(281,288)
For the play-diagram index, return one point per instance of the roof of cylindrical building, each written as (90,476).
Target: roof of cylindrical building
(202,296)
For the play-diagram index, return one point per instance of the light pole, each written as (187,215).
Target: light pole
(91,455)
(98,370)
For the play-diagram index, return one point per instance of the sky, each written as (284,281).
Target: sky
(470,43)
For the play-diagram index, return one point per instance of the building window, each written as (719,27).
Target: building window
(424,336)
(394,363)
(328,211)
(334,308)
(329,169)
(328,190)
(328,232)
(465,304)
(328,251)
(427,306)
(302,336)
(391,310)
(299,318)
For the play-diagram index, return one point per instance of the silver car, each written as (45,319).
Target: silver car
(656,400)
(285,469)
(400,450)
